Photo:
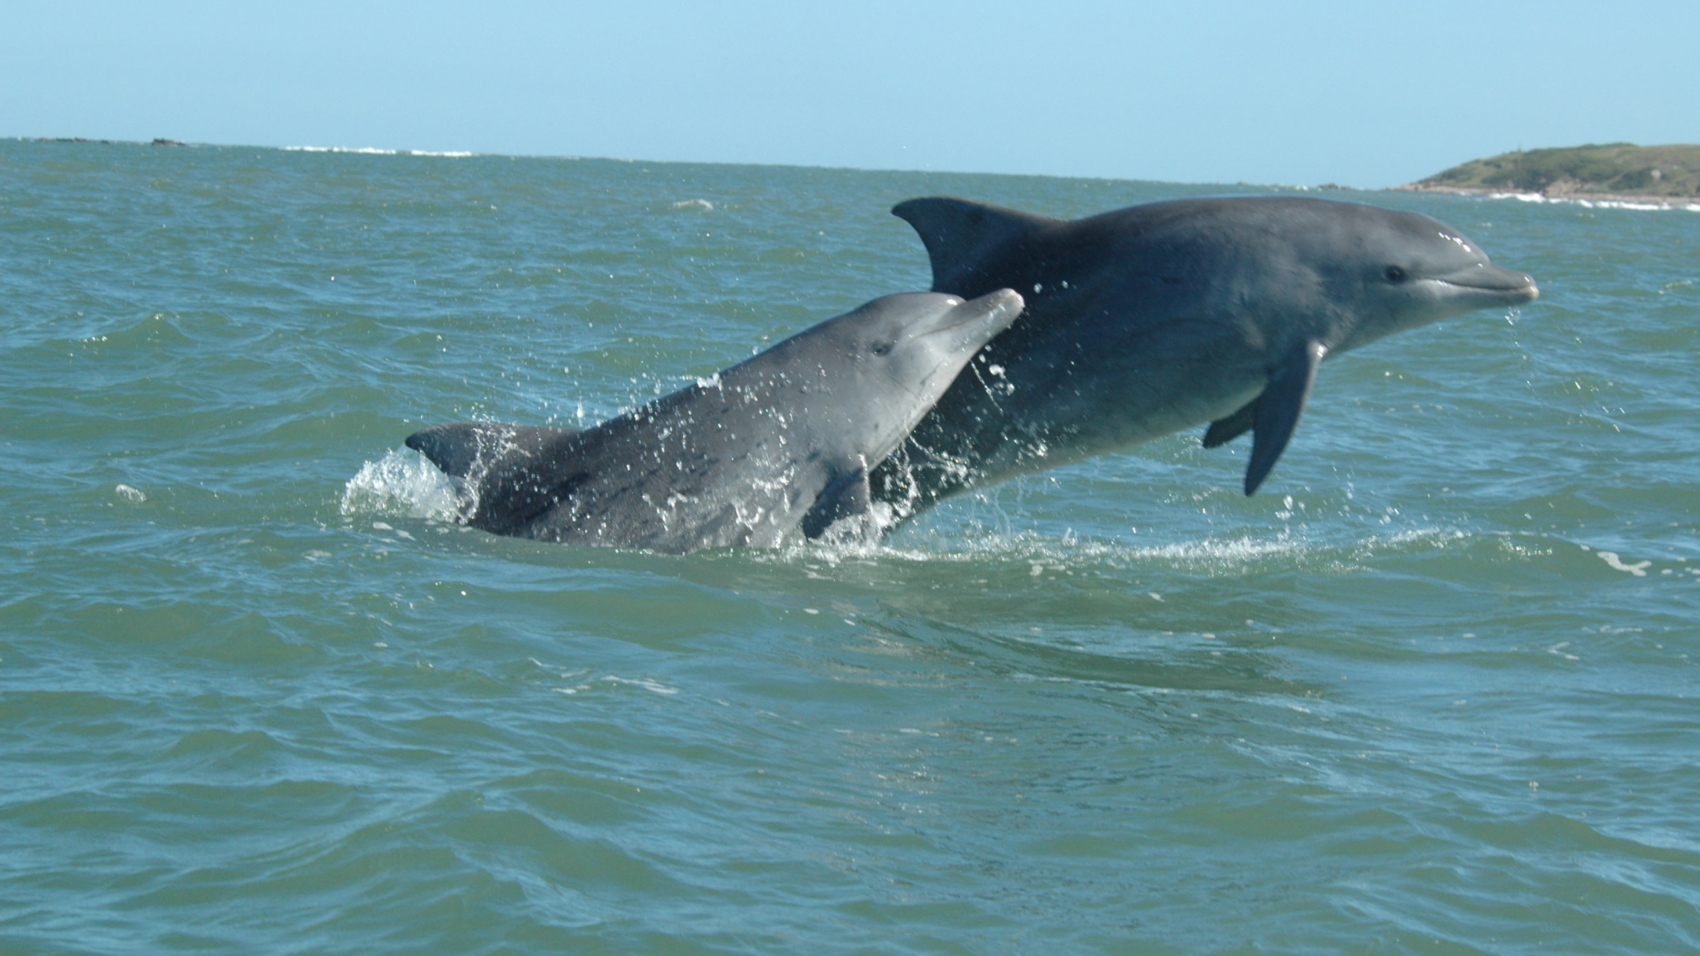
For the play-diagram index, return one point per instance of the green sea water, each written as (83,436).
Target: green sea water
(1433,690)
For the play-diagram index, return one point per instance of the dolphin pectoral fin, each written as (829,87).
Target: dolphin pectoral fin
(459,447)
(846,496)
(961,235)
(1224,430)
(1278,410)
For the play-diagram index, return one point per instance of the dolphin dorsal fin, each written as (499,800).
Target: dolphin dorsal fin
(962,235)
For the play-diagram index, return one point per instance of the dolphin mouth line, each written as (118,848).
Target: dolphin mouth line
(1528,292)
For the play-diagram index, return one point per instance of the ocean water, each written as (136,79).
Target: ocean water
(1432,691)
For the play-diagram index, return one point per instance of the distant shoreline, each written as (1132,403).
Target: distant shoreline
(1616,173)
(1581,175)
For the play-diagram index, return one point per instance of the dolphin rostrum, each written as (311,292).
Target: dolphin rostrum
(772,450)
(1155,318)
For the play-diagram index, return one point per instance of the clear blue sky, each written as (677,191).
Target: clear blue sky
(1363,94)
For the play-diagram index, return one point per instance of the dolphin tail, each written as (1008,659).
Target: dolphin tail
(962,237)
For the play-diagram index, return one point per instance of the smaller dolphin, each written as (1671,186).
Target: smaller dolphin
(1154,318)
(772,450)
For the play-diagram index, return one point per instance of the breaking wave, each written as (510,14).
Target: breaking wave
(376,151)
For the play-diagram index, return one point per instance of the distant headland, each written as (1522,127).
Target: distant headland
(1613,172)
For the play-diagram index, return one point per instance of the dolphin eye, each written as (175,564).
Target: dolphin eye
(881,348)
(1394,274)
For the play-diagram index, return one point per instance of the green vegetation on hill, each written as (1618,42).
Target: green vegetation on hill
(1614,169)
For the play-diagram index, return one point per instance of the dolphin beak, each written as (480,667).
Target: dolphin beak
(994,309)
(1492,285)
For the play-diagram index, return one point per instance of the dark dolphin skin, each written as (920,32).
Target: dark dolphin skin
(1155,318)
(768,452)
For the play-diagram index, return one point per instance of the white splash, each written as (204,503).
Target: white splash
(402,483)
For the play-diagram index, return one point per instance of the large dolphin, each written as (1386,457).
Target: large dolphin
(769,451)
(1155,318)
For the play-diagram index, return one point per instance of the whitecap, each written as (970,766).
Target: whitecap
(653,686)
(1639,568)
